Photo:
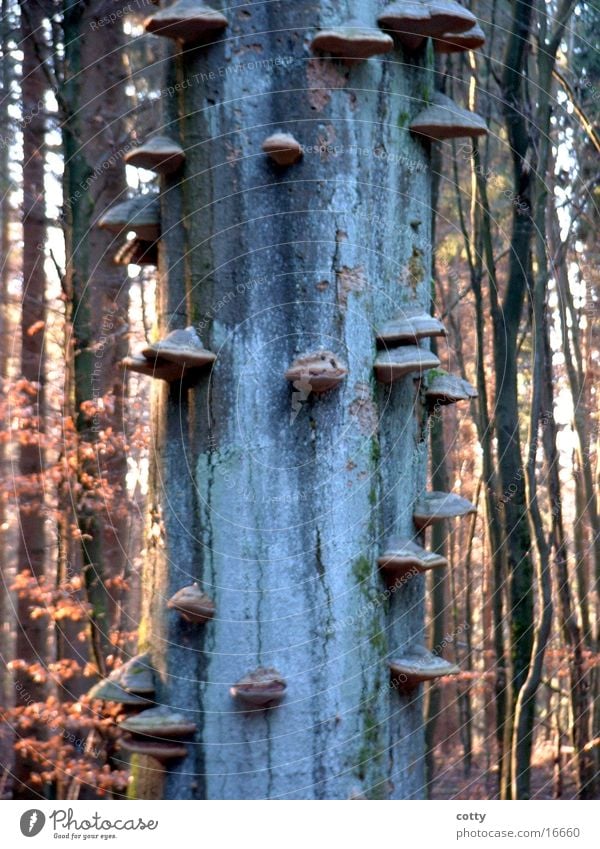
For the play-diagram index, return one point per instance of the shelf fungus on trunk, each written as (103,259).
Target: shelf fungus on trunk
(434,507)
(111,691)
(156,368)
(137,252)
(159,722)
(406,329)
(403,557)
(444,119)
(192,604)
(186,21)
(162,751)
(417,665)
(283,148)
(317,372)
(182,347)
(136,676)
(395,363)
(260,689)
(443,388)
(353,42)
(412,21)
(140,214)
(159,154)
(460,42)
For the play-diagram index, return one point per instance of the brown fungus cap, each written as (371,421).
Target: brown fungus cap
(409,328)
(159,722)
(158,369)
(318,370)
(412,21)
(186,21)
(182,347)
(159,154)
(449,16)
(408,20)
(192,604)
(353,42)
(140,214)
(111,691)
(162,751)
(444,119)
(417,665)
(444,388)
(402,556)
(135,676)
(282,148)
(460,42)
(395,363)
(262,688)
(434,507)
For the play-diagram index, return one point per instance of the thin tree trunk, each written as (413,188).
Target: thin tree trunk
(95,141)
(7,560)
(506,319)
(32,632)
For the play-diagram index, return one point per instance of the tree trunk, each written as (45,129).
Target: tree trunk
(506,320)
(31,643)
(95,141)
(281,518)
(7,332)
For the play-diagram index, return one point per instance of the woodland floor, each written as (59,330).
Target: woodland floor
(452,782)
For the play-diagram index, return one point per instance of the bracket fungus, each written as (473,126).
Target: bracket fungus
(353,42)
(137,252)
(160,750)
(159,722)
(159,154)
(111,691)
(406,329)
(140,214)
(187,21)
(448,389)
(460,42)
(412,21)
(181,347)
(434,507)
(156,368)
(445,119)
(417,665)
(319,371)
(192,604)
(135,676)
(395,363)
(282,148)
(262,688)
(402,556)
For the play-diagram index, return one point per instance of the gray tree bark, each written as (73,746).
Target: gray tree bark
(281,519)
